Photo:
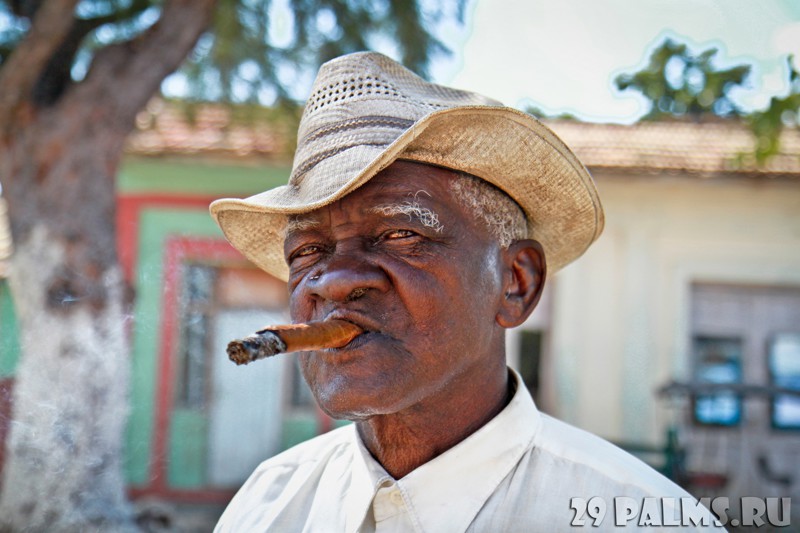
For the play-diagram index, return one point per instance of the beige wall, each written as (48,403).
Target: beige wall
(619,316)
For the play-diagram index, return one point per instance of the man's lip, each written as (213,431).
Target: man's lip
(358,319)
(370,327)
(357,341)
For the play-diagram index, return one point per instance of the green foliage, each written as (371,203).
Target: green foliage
(241,61)
(782,112)
(541,114)
(238,60)
(679,83)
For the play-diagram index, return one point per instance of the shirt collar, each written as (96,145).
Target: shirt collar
(367,475)
(467,473)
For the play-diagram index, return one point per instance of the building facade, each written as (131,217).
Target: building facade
(678,332)
(676,335)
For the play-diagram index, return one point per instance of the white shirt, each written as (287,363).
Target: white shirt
(518,472)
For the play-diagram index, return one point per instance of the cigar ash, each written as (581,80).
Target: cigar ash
(262,344)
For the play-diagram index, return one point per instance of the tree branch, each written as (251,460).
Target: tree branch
(25,8)
(57,75)
(136,7)
(126,75)
(20,73)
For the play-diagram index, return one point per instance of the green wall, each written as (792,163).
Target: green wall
(156,226)
(9,339)
(192,177)
(188,445)
(181,177)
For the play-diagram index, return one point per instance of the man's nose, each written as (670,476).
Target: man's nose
(346,278)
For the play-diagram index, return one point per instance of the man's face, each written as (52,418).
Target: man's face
(425,291)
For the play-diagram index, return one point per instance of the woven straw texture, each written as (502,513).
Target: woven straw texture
(366,111)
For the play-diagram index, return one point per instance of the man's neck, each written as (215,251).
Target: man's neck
(401,442)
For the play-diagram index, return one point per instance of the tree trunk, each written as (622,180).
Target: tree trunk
(63,459)
(63,470)
(63,463)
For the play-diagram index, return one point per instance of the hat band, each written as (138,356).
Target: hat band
(376,131)
(300,172)
(355,123)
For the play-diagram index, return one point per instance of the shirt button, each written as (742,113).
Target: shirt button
(397,498)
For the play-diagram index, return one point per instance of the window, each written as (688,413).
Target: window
(196,310)
(209,292)
(784,370)
(718,361)
(740,432)
(746,343)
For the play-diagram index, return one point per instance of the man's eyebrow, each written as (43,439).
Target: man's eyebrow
(424,215)
(299,224)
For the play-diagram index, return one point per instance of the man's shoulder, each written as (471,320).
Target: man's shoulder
(300,466)
(601,461)
(281,489)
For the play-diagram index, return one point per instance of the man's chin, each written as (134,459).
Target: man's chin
(348,415)
(356,408)
(345,410)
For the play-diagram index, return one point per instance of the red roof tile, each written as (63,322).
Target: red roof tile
(705,149)
(164,129)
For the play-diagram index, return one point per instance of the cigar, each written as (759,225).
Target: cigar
(274,340)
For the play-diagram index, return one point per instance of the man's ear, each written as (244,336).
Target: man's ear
(523,282)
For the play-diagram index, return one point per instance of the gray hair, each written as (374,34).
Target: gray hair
(503,216)
(412,209)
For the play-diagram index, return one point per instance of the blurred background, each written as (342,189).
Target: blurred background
(676,336)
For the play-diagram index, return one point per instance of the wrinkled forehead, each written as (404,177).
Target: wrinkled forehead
(401,184)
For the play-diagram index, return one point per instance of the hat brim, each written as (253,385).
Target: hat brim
(508,148)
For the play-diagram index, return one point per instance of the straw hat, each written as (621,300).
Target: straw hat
(366,111)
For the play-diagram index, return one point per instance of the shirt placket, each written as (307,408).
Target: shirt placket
(390,511)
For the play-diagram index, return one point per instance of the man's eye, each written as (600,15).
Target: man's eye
(305,251)
(398,234)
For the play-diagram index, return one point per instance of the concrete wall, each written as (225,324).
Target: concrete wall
(619,324)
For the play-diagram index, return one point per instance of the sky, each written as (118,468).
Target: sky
(562,56)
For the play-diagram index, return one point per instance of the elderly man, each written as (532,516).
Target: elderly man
(429,217)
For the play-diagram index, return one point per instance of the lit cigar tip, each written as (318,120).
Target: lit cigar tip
(238,353)
(255,347)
